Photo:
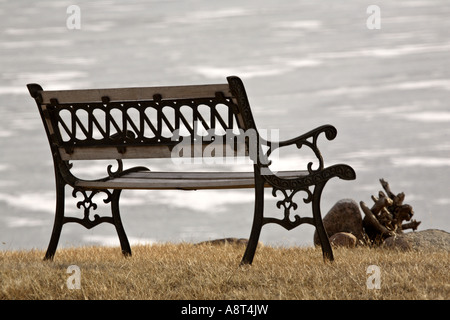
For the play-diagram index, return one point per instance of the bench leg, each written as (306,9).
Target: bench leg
(124,244)
(317,216)
(257,224)
(60,220)
(58,223)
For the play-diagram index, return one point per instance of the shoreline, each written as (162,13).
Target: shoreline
(413,240)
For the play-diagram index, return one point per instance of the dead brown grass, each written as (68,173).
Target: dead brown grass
(187,271)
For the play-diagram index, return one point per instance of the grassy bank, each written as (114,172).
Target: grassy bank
(187,271)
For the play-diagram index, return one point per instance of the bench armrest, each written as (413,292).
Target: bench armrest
(308,139)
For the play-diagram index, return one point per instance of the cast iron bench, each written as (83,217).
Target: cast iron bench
(144,123)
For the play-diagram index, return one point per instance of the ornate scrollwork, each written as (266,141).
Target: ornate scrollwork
(123,124)
(88,204)
(309,140)
(238,90)
(118,172)
(288,205)
(290,187)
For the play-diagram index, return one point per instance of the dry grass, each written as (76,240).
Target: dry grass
(186,271)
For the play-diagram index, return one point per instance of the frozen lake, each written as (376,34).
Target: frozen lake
(304,64)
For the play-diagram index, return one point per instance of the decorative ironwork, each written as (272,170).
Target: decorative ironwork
(118,172)
(342,171)
(309,140)
(88,204)
(288,204)
(238,90)
(133,123)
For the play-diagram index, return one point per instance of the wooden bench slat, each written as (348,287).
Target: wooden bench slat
(101,153)
(208,175)
(139,152)
(135,94)
(149,184)
(183,180)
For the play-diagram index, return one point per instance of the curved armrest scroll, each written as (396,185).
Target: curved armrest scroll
(308,139)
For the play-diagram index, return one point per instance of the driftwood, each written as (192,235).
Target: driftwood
(385,218)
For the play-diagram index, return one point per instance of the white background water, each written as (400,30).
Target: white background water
(304,63)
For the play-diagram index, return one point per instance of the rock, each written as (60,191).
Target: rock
(397,242)
(343,239)
(344,216)
(430,239)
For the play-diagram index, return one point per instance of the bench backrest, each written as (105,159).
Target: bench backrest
(147,122)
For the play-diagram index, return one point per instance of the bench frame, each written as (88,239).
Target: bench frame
(130,142)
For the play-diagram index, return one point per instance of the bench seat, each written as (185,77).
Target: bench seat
(154,180)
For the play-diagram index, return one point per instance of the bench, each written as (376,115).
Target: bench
(163,122)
